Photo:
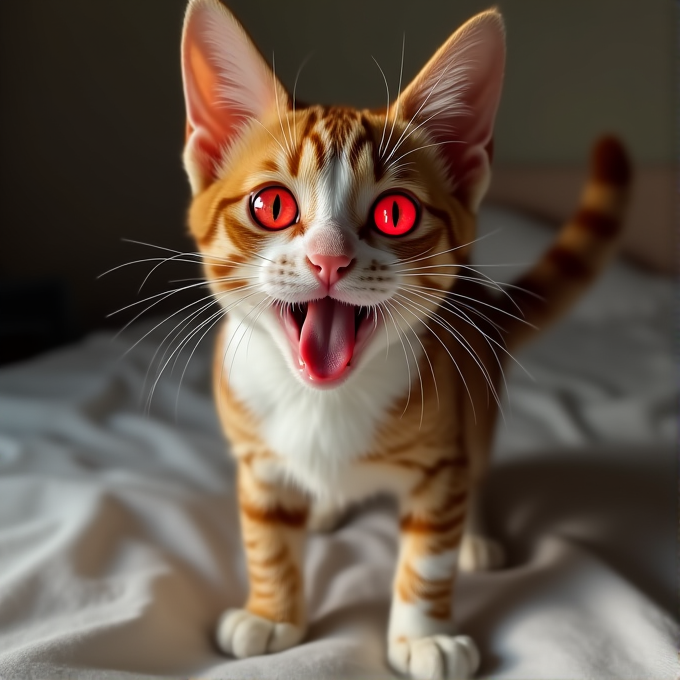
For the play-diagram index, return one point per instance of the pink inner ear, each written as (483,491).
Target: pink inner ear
(203,122)
(226,83)
(459,92)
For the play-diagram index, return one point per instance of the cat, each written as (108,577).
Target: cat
(360,352)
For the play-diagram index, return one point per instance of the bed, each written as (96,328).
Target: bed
(119,541)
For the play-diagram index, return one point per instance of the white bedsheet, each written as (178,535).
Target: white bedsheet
(119,544)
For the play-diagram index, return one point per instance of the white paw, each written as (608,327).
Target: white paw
(440,657)
(243,634)
(479,553)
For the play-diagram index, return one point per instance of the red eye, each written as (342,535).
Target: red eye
(274,208)
(395,214)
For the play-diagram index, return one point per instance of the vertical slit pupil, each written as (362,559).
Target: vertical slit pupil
(276,208)
(395,213)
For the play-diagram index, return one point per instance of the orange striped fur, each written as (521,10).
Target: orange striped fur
(353,361)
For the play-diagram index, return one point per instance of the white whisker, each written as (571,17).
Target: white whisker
(278,107)
(269,132)
(453,308)
(396,112)
(415,129)
(424,256)
(475,301)
(427,357)
(165,293)
(181,326)
(191,304)
(398,171)
(415,360)
(153,269)
(413,117)
(262,258)
(387,333)
(486,284)
(506,285)
(408,365)
(297,77)
(185,341)
(202,256)
(221,279)
(424,146)
(457,265)
(462,340)
(438,318)
(254,322)
(466,318)
(147,259)
(215,319)
(444,302)
(387,108)
(455,363)
(176,352)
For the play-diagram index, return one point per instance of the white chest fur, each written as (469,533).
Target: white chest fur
(316,433)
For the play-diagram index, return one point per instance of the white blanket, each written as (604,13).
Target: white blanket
(119,542)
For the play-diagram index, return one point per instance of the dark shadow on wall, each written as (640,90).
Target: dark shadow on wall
(91,139)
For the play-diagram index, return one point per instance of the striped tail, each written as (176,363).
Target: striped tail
(580,251)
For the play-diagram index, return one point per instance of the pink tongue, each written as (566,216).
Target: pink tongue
(327,338)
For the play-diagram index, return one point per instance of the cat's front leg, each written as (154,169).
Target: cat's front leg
(273,519)
(421,642)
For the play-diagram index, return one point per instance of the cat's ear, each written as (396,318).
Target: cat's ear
(455,98)
(227,83)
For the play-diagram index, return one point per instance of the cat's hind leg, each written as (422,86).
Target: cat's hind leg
(478,552)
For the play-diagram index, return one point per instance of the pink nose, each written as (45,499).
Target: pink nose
(329,268)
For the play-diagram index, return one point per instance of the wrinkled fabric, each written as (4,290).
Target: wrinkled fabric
(119,538)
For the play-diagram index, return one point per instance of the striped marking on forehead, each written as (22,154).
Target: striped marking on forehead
(340,123)
(335,132)
(309,135)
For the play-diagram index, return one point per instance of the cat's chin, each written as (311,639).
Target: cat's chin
(327,339)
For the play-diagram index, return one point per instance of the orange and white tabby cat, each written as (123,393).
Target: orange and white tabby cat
(360,352)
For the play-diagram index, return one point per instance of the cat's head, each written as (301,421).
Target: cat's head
(334,230)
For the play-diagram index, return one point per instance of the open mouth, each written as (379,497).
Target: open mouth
(326,337)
